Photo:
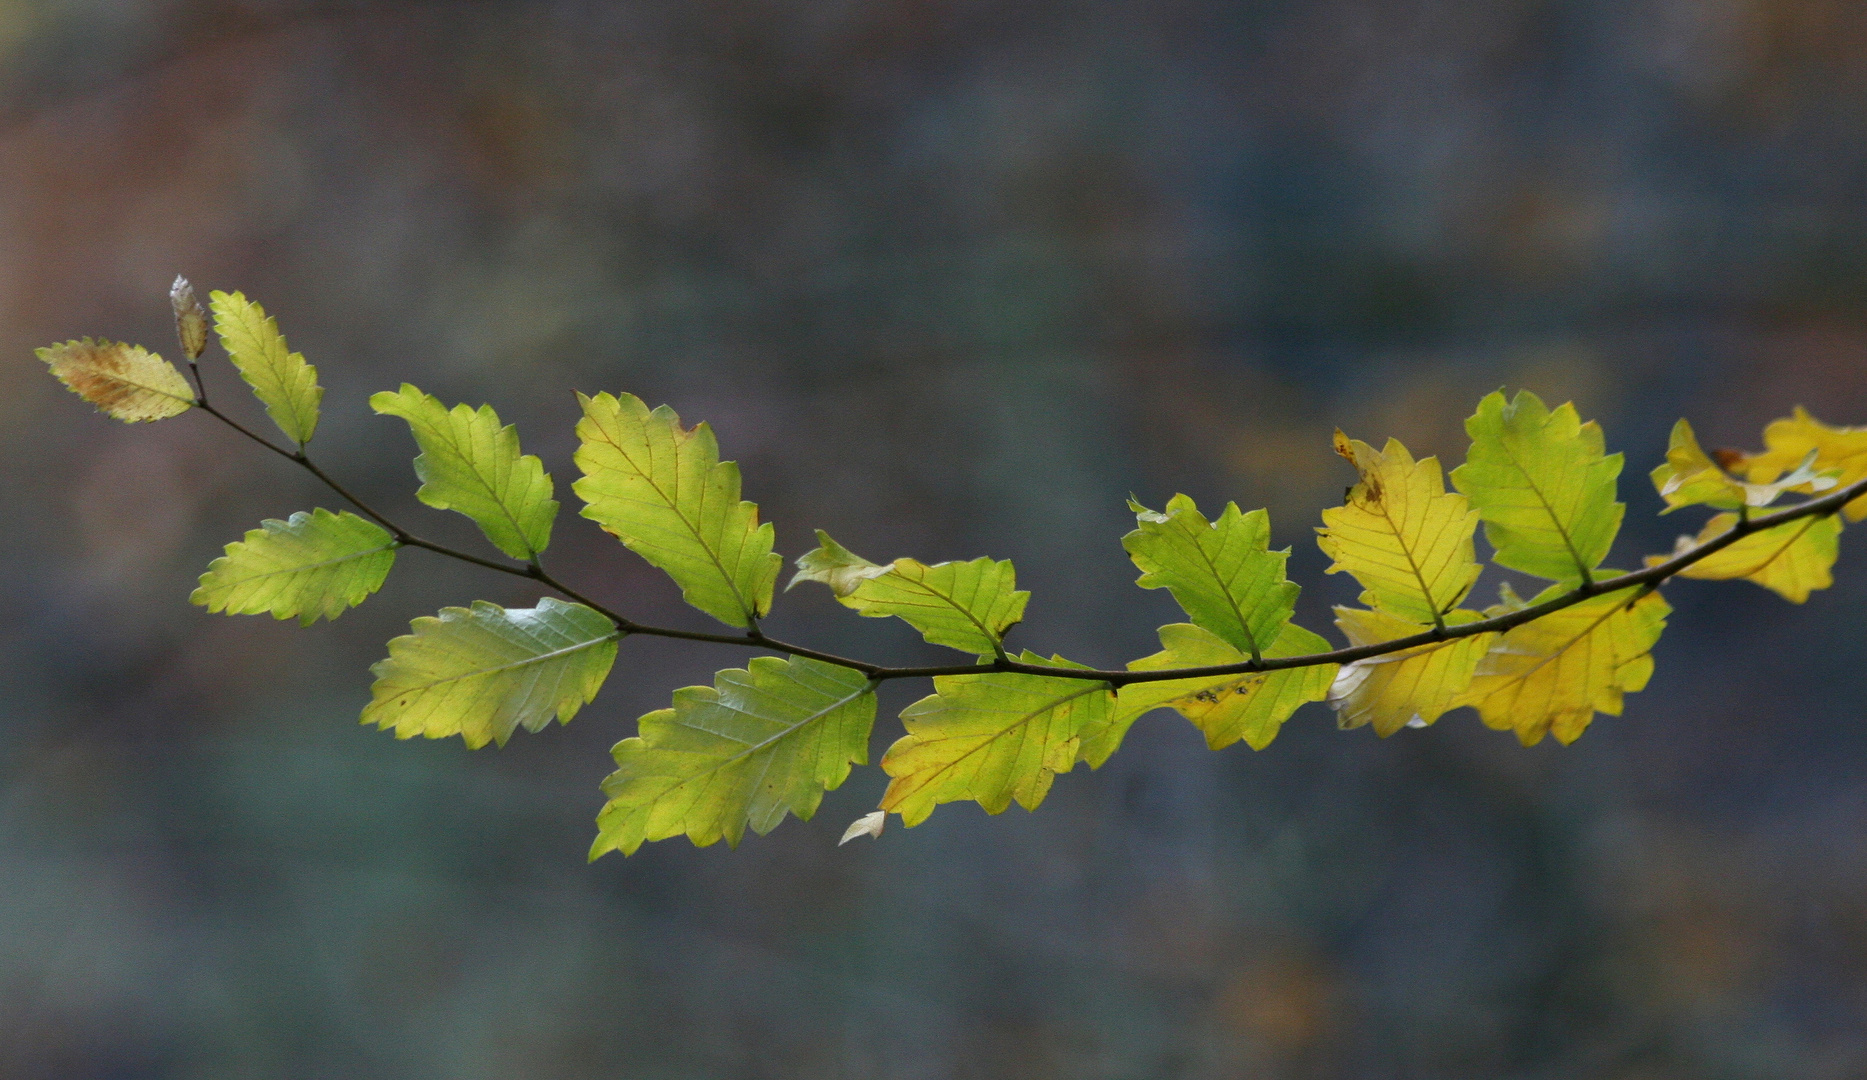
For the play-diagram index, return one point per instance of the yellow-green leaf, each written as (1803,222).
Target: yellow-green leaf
(1222,572)
(472,464)
(125,381)
(1226,708)
(1411,687)
(280,378)
(1841,451)
(761,741)
(1791,559)
(663,491)
(314,564)
(1552,676)
(484,672)
(1689,476)
(962,605)
(1404,537)
(1543,484)
(991,738)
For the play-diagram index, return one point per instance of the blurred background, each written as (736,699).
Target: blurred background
(950,278)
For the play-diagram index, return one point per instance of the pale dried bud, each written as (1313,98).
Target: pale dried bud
(190,319)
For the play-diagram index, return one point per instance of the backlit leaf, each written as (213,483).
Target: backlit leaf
(1543,485)
(992,738)
(832,564)
(1791,440)
(870,824)
(663,491)
(761,741)
(471,464)
(1226,708)
(484,672)
(1412,687)
(1791,559)
(126,381)
(1223,573)
(962,605)
(316,563)
(280,378)
(1552,676)
(1404,537)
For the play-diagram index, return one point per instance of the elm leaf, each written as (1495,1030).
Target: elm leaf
(483,672)
(472,464)
(314,564)
(762,741)
(127,382)
(664,492)
(280,378)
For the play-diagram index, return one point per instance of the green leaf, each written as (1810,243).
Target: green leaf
(991,737)
(471,464)
(1404,537)
(962,605)
(313,564)
(127,382)
(1223,573)
(1552,676)
(759,742)
(1226,708)
(1543,485)
(280,378)
(664,492)
(483,673)
(1791,559)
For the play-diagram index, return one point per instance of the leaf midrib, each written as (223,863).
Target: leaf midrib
(680,440)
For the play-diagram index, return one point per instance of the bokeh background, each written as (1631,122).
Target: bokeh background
(950,278)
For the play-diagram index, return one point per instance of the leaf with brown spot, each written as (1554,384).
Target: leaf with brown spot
(126,381)
(1404,537)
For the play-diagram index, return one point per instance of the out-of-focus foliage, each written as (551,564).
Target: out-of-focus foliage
(908,259)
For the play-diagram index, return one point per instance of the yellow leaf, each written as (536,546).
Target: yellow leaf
(1791,560)
(1411,687)
(1404,537)
(1791,440)
(126,381)
(1553,675)
(1227,708)
(991,737)
(1689,476)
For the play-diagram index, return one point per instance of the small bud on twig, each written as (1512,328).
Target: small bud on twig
(190,319)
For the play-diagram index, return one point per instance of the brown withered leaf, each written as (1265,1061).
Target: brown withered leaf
(126,381)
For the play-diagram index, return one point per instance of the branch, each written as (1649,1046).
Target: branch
(1648,580)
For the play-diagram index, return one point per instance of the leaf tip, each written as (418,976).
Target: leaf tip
(869,824)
